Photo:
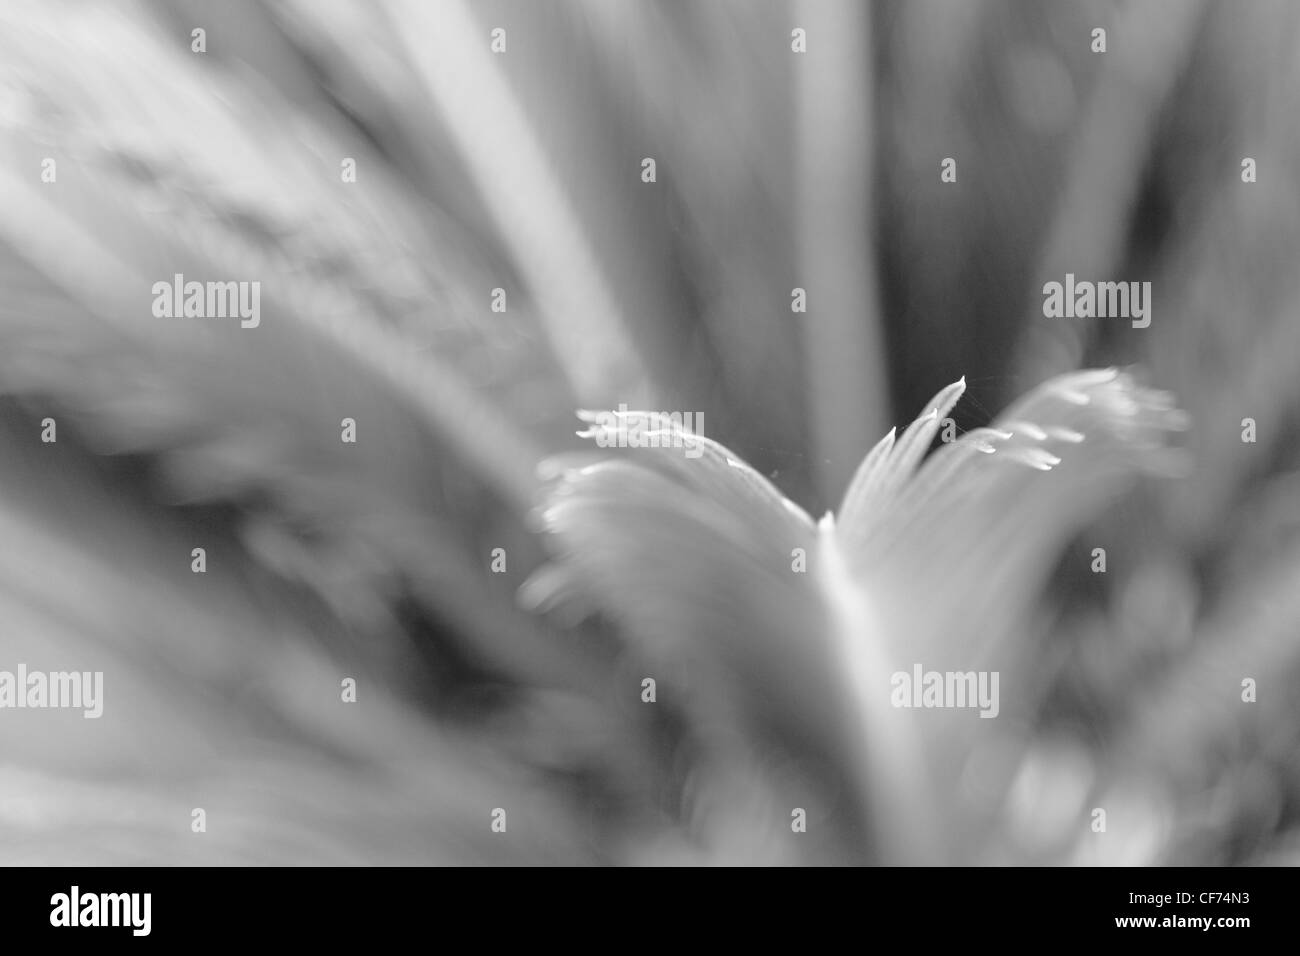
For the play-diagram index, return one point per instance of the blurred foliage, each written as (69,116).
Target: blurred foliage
(521,171)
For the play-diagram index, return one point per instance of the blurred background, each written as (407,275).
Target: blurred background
(522,171)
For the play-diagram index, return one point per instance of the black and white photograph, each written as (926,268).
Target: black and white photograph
(650,434)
